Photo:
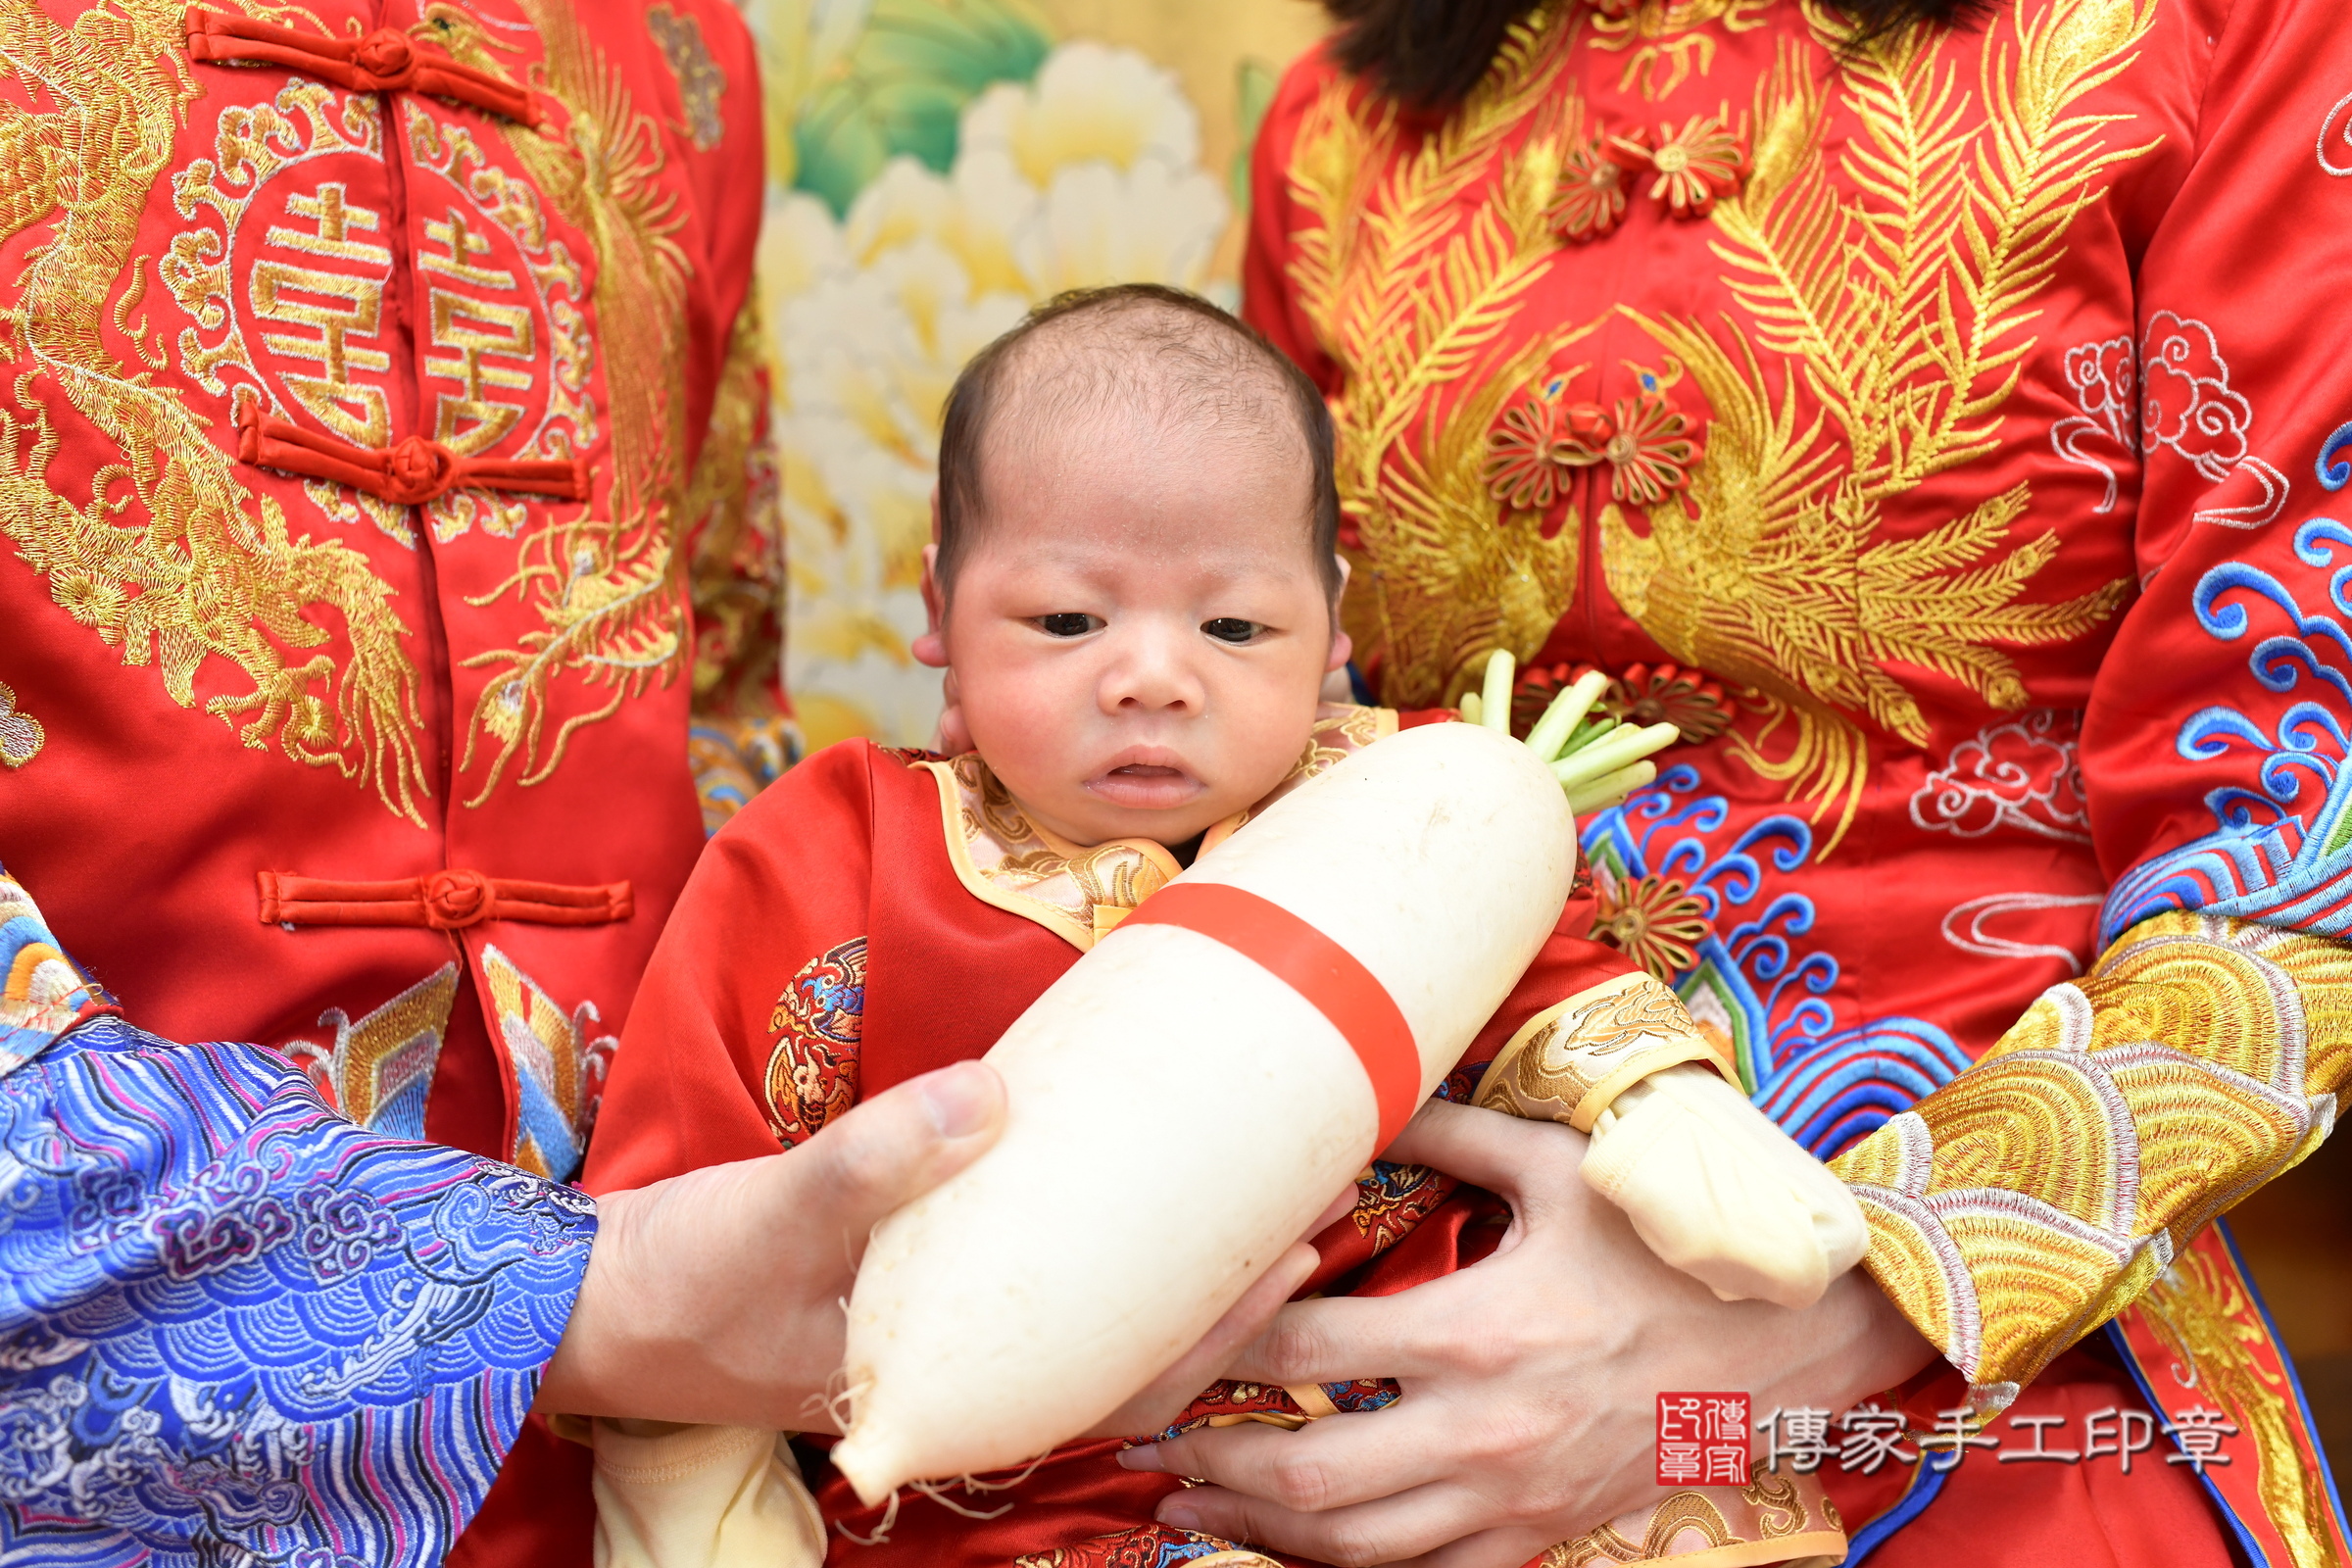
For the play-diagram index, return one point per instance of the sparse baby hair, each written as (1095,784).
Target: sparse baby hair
(1175,356)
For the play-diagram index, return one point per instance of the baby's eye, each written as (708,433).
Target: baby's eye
(1233,629)
(1068,623)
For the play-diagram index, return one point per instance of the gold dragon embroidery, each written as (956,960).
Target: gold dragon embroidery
(1901,309)
(169,561)
(604,585)
(1407,305)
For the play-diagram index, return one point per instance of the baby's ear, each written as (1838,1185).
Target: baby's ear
(931,648)
(1343,647)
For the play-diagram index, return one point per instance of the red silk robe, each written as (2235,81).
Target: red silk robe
(878,915)
(381,489)
(1943,430)
(382,492)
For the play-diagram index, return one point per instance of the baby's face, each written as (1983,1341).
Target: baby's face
(1139,631)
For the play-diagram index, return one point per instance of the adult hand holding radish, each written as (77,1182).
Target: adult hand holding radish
(716,1296)
(1530,1379)
(1282,1009)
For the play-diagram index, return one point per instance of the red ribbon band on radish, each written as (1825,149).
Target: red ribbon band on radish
(1318,968)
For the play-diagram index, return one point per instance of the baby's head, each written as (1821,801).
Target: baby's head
(1135,582)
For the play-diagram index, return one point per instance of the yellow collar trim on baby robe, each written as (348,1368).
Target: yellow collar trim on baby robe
(1079,892)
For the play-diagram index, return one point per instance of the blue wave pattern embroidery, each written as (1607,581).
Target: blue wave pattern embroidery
(235,1327)
(2281,852)
(1826,1083)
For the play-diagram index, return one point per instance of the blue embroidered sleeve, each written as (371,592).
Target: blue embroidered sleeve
(236,1327)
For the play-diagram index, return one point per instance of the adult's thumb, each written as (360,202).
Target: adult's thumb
(901,1144)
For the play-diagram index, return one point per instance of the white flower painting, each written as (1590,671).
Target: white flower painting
(1087,172)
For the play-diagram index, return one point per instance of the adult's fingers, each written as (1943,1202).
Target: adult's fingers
(1388,1531)
(890,1149)
(1483,1148)
(1155,1406)
(1340,1338)
(1336,1463)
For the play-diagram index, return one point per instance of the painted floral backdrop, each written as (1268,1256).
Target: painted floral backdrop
(935,166)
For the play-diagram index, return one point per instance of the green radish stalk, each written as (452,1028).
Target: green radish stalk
(1597,760)
(1610,788)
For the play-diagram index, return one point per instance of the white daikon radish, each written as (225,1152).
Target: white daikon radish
(1178,1114)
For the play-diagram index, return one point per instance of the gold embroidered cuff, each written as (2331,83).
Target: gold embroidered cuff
(1570,1060)
(2033,1196)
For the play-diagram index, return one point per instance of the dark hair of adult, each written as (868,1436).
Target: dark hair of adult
(1428,54)
(1203,368)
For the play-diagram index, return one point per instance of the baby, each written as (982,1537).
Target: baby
(1135,588)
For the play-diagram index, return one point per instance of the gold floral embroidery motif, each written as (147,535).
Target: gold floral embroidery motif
(169,563)
(1902,300)
(1784,578)
(1570,1060)
(2030,1199)
(1406,306)
(21,734)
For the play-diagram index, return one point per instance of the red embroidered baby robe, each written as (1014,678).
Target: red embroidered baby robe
(878,915)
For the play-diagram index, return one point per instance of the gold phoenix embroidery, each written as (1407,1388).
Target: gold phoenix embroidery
(1902,308)
(1405,306)
(167,561)
(1665,40)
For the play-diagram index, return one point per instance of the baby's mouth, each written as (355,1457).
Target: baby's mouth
(1145,786)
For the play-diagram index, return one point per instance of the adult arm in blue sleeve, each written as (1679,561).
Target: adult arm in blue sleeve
(233,1322)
